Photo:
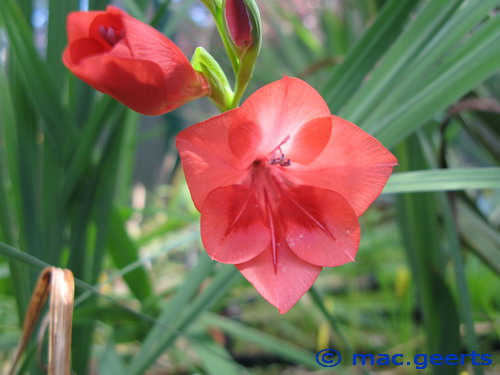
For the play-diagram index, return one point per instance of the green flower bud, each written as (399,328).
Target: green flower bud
(220,89)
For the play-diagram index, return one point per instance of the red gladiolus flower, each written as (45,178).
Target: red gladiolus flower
(131,61)
(280,184)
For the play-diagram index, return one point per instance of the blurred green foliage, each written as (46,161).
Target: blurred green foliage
(90,185)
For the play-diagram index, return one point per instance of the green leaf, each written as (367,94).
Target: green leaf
(124,252)
(391,69)
(465,305)
(110,362)
(106,110)
(216,359)
(8,168)
(138,264)
(481,237)
(420,69)
(443,180)
(60,125)
(56,37)
(418,220)
(263,340)
(460,72)
(176,318)
(177,17)
(361,58)
(20,256)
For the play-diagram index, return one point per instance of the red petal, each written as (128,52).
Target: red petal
(181,82)
(285,285)
(81,49)
(353,164)
(78,24)
(309,142)
(135,83)
(233,227)
(278,110)
(147,43)
(207,160)
(238,23)
(321,227)
(245,142)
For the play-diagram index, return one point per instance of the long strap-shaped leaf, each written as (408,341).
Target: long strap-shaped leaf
(388,74)
(421,68)
(60,125)
(461,72)
(367,51)
(444,180)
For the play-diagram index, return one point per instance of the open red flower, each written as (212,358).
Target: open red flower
(280,184)
(131,61)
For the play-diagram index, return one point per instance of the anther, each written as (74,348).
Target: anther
(275,161)
(110,35)
(281,161)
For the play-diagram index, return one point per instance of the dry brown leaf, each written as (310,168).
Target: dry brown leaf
(61,285)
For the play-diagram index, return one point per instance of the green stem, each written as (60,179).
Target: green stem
(219,23)
(239,90)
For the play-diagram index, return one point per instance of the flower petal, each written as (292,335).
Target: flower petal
(207,160)
(284,285)
(353,164)
(321,228)
(78,24)
(278,110)
(81,49)
(148,43)
(233,228)
(133,82)
(310,141)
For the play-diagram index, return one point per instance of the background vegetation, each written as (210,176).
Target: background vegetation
(89,185)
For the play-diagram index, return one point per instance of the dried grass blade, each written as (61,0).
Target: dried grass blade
(60,284)
(61,318)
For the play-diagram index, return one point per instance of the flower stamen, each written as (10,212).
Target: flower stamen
(110,35)
(280,160)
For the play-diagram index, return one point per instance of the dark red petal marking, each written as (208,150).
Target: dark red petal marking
(233,225)
(274,245)
(353,163)
(321,227)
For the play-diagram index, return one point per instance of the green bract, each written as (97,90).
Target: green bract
(221,92)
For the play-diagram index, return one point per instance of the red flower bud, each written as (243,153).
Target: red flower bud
(238,23)
(130,61)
